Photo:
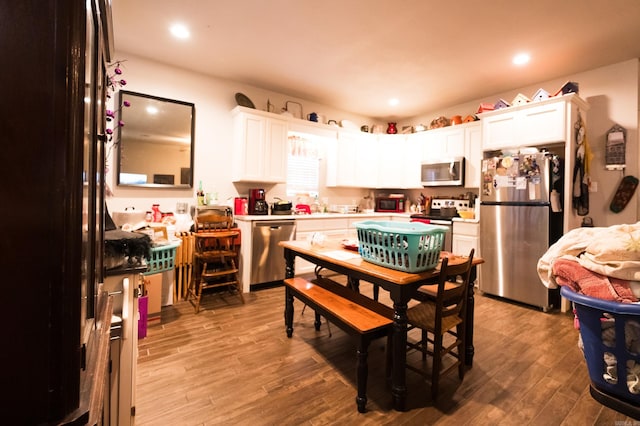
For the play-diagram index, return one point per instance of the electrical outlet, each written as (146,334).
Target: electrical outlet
(593,186)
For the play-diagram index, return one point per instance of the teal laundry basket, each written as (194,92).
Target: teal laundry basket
(409,247)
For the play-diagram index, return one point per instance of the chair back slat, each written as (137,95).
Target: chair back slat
(453,285)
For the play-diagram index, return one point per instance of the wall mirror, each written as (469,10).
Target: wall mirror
(155,148)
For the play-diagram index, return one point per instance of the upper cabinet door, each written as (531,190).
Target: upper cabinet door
(499,131)
(398,164)
(342,154)
(276,151)
(473,155)
(542,124)
(535,123)
(260,147)
(441,144)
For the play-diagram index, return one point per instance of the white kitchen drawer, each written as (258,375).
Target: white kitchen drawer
(324,224)
(466,228)
(304,225)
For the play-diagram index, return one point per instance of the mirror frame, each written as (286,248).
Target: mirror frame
(123,117)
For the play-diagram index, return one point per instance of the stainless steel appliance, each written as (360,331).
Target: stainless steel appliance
(441,212)
(517,224)
(267,256)
(443,173)
(390,204)
(257,202)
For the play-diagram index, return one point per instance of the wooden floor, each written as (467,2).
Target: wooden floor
(233,364)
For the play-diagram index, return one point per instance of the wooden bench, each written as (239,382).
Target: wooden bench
(359,316)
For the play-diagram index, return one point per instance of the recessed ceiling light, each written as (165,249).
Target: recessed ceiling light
(152,110)
(180,31)
(393,101)
(521,59)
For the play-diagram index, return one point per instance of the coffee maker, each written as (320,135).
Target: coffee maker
(257,202)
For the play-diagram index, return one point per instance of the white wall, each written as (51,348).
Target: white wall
(214,99)
(613,95)
(612,91)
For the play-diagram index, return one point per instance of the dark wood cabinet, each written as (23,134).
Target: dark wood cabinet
(52,85)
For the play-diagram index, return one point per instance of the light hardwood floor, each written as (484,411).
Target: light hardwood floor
(233,364)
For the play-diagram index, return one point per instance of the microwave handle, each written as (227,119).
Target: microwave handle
(452,169)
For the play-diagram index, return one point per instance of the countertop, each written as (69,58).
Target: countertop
(459,219)
(253,218)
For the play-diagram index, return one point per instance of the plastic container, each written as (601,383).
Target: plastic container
(157,214)
(409,247)
(162,258)
(600,339)
(143,309)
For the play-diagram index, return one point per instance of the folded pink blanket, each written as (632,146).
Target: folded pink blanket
(581,280)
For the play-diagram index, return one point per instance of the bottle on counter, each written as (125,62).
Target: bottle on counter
(200,195)
(157,214)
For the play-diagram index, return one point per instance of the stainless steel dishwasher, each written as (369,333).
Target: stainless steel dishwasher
(267,256)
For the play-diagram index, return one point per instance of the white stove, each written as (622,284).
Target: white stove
(438,203)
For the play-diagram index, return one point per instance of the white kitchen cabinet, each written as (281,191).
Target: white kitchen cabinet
(398,164)
(260,146)
(365,160)
(531,124)
(352,160)
(472,154)
(499,130)
(465,236)
(452,139)
(123,287)
(463,140)
(442,144)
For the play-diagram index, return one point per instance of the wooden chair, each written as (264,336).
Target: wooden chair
(442,320)
(215,257)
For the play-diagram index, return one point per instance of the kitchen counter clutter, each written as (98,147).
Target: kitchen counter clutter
(329,225)
(316,216)
(256,228)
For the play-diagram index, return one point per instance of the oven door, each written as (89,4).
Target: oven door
(443,173)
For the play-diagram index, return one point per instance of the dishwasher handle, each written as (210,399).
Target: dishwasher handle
(274,225)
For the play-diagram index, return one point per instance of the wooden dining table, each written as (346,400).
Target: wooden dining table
(402,286)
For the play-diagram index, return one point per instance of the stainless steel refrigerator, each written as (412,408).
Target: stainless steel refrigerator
(518,224)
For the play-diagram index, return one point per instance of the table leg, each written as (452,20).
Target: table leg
(398,373)
(289,258)
(288,311)
(362,368)
(469,349)
(353,284)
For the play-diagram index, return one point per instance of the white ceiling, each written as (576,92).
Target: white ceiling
(356,54)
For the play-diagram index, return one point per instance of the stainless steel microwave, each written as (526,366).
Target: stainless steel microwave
(443,173)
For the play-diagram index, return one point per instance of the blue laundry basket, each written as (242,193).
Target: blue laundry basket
(591,312)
